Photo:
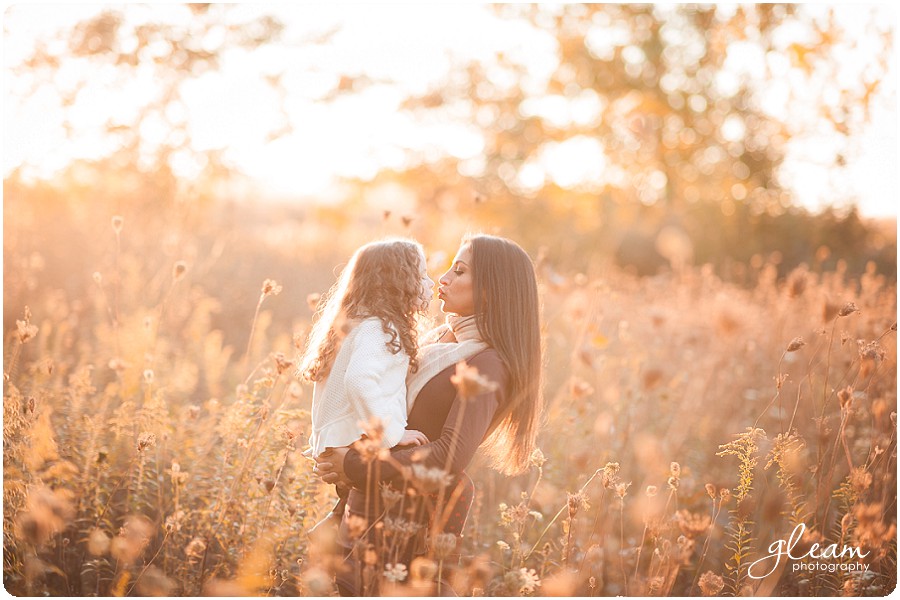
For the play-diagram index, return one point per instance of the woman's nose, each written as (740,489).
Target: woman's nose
(443,280)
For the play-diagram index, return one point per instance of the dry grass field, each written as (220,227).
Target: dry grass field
(153,428)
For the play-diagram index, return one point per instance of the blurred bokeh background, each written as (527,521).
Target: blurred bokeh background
(698,185)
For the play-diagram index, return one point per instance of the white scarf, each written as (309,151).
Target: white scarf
(436,356)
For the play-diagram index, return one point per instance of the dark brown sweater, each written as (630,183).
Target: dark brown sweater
(455,426)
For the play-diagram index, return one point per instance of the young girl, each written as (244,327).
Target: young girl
(363,344)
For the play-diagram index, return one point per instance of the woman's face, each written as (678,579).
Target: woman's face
(456,292)
(427,291)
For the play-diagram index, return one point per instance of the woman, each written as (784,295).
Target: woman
(490,295)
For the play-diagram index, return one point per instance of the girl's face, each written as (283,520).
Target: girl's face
(427,291)
(456,290)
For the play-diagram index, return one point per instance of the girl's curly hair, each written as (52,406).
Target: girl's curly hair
(383,279)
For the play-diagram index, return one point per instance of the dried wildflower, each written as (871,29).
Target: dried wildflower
(711,490)
(389,496)
(520,582)
(282,364)
(675,469)
(724,495)
(173,521)
(622,489)
(148,376)
(117,222)
(651,491)
(401,527)
(146,441)
(860,479)
(25,329)
(848,309)
(502,545)
(576,502)
(673,483)
(469,382)
(609,474)
(179,270)
(395,572)
(691,524)
(98,278)
(429,479)
(796,344)
(444,544)
(270,287)
(178,476)
(195,548)
(870,350)
(845,397)
(537,458)
(711,584)
(514,515)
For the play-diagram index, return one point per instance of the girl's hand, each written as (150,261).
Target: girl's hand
(330,466)
(412,437)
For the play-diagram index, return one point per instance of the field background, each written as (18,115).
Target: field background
(720,361)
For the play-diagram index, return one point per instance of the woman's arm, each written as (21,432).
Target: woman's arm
(464,429)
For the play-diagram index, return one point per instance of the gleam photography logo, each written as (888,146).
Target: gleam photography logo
(817,558)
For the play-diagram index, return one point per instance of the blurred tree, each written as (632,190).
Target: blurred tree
(683,113)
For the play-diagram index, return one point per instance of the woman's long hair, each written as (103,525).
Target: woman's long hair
(507,313)
(383,279)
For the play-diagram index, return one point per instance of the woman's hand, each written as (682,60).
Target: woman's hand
(330,466)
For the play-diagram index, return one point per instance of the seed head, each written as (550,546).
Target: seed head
(651,491)
(622,489)
(537,458)
(675,469)
(270,287)
(390,496)
(117,222)
(469,382)
(146,441)
(711,584)
(711,490)
(25,329)
(796,344)
(845,396)
(395,572)
(443,544)
(848,309)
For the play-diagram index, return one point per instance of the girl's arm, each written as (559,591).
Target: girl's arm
(375,380)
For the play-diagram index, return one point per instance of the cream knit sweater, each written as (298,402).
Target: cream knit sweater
(366,380)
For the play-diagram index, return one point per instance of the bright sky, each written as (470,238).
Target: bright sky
(412,45)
